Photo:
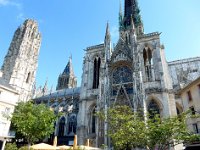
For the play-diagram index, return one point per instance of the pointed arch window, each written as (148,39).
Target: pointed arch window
(92,121)
(72,123)
(96,72)
(61,127)
(147,57)
(178,111)
(153,109)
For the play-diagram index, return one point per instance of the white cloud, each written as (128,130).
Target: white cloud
(21,17)
(10,3)
(4,2)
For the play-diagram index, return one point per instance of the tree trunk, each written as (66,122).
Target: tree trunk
(29,145)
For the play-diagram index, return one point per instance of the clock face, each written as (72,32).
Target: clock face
(122,74)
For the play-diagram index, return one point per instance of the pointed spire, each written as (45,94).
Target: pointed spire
(107,43)
(132,24)
(107,36)
(133,33)
(120,7)
(132,8)
(69,68)
(120,16)
(67,79)
(45,88)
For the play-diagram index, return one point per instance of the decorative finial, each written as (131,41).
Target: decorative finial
(120,15)
(132,24)
(70,57)
(107,36)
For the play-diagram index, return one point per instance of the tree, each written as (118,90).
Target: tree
(130,130)
(162,133)
(34,122)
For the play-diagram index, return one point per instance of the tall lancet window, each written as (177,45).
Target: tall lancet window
(93,120)
(147,56)
(72,122)
(61,127)
(96,72)
(28,77)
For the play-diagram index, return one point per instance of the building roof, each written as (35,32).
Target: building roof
(61,93)
(186,60)
(189,85)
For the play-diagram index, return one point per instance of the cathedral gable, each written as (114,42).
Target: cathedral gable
(121,53)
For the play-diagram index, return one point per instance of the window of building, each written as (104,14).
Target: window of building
(147,56)
(93,121)
(189,96)
(96,72)
(153,109)
(192,110)
(28,77)
(61,127)
(72,123)
(122,74)
(195,128)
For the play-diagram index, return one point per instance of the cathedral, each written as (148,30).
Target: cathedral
(134,72)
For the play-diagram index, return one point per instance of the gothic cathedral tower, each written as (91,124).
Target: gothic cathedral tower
(67,79)
(20,63)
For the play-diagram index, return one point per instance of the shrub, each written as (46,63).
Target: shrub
(24,148)
(11,146)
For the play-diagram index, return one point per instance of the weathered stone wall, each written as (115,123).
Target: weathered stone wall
(89,96)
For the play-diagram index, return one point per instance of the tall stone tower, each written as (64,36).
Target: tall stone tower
(20,63)
(67,79)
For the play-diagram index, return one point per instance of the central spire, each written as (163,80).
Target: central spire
(131,11)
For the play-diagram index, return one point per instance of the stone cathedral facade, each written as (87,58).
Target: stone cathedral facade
(134,73)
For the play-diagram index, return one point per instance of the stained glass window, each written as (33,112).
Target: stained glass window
(122,74)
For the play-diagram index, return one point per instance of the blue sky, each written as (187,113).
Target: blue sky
(69,26)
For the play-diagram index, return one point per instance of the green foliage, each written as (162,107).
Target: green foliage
(25,148)
(11,146)
(34,122)
(130,130)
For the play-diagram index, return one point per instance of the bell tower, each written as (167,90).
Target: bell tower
(20,63)
(67,79)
